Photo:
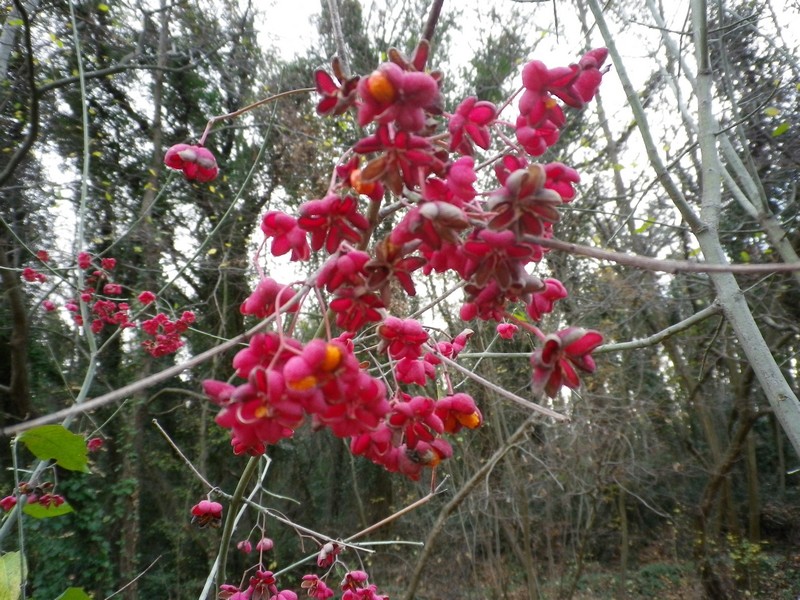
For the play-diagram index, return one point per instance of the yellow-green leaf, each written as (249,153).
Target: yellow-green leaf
(745,256)
(13,572)
(780,129)
(37,511)
(645,226)
(58,443)
(772,111)
(74,593)
(102,7)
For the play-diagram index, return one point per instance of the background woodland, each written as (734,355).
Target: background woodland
(673,477)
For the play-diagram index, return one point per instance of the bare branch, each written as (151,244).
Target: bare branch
(661,265)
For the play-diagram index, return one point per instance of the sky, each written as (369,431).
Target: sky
(287,24)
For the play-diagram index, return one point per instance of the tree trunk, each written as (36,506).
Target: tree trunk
(753,495)
(624,544)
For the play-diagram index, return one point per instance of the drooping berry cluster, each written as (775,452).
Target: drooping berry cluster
(355,584)
(100,295)
(286,381)
(416,167)
(41,493)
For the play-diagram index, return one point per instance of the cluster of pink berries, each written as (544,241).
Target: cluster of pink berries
(265,544)
(34,494)
(166,333)
(97,293)
(286,380)
(488,238)
(263,584)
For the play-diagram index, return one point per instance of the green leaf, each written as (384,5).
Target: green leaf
(13,572)
(15,22)
(772,111)
(58,443)
(745,256)
(56,41)
(645,226)
(780,129)
(74,593)
(102,7)
(37,511)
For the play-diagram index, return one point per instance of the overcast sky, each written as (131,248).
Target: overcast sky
(287,25)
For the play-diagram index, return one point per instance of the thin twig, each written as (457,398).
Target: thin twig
(657,338)
(338,37)
(661,265)
(182,455)
(458,498)
(147,382)
(135,579)
(433,19)
(248,108)
(502,391)
(390,518)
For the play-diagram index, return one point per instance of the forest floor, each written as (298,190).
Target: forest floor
(774,576)
(766,573)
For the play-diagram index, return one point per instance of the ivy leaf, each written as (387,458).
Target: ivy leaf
(780,129)
(58,443)
(37,511)
(13,572)
(74,593)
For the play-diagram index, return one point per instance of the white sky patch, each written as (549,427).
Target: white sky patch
(288,25)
